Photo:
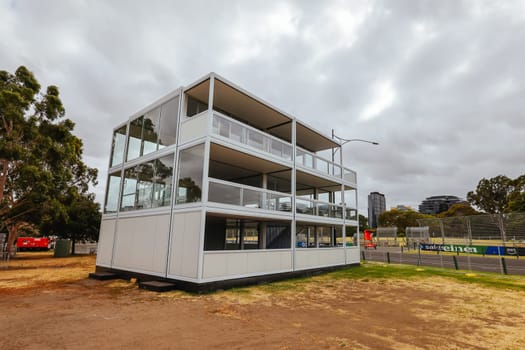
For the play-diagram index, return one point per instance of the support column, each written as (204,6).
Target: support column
(294,190)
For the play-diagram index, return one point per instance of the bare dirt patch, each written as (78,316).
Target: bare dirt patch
(48,303)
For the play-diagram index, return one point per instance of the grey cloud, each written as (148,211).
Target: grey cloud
(455,68)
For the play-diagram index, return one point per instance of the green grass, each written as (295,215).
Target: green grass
(372,270)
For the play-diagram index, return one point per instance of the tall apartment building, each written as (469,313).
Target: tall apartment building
(376,206)
(211,186)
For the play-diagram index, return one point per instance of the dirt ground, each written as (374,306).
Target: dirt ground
(48,303)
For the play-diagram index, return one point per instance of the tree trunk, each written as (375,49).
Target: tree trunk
(72,246)
(13,234)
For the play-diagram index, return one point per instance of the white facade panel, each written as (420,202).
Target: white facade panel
(352,255)
(312,258)
(142,244)
(194,128)
(105,242)
(225,265)
(185,245)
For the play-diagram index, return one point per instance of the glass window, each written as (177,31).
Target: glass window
(145,175)
(233,234)
(163,181)
(250,235)
(129,189)
(168,122)
(117,147)
(150,132)
(195,107)
(135,138)
(326,236)
(112,193)
(278,236)
(191,162)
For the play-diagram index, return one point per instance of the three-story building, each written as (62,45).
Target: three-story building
(211,186)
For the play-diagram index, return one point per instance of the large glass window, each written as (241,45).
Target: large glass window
(326,236)
(163,181)
(278,236)
(135,139)
(191,162)
(129,189)
(148,185)
(112,193)
(117,147)
(154,130)
(168,122)
(150,132)
(236,234)
(144,185)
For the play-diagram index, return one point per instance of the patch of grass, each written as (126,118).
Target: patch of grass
(371,270)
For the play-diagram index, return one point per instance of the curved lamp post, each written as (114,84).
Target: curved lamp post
(342,142)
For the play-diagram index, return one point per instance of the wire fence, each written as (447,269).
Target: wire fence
(491,242)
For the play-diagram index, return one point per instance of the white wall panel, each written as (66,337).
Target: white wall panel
(142,244)
(185,244)
(194,128)
(105,242)
(236,264)
(352,255)
(312,258)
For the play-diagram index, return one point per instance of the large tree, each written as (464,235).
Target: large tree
(499,195)
(40,158)
(81,222)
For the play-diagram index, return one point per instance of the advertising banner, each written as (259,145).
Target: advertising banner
(475,249)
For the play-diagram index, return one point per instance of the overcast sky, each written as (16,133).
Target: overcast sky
(439,84)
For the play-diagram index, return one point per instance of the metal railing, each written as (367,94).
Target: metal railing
(246,135)
(241,133)
(318,208)
(226,192)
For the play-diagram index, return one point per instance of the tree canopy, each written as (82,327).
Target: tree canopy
(401,219)
(41,167)
(499,194)
(458,209)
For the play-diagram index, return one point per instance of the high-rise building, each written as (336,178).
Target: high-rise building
(376,206)
(438,204)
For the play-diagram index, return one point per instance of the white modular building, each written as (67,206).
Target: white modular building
(210,187)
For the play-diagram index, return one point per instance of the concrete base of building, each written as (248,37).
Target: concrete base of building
(160,284)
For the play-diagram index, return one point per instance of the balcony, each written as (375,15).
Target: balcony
(238,132)
(311,161)
(225,192)
(318,208)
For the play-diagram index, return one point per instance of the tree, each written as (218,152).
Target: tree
(497,196)
(401,219)
(492,195)
(458,209)
(40,159)
(363,223)
(517,197)
(81,222)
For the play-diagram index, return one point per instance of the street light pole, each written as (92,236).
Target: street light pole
(342,142)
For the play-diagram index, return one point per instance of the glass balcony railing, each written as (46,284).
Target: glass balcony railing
(241,133)
(248,136)
(310,160)
(350,214)
(318,208)
(225,192)
(350,175)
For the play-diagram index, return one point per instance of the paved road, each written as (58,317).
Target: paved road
(514,265)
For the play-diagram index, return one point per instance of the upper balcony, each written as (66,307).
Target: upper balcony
(251,123)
